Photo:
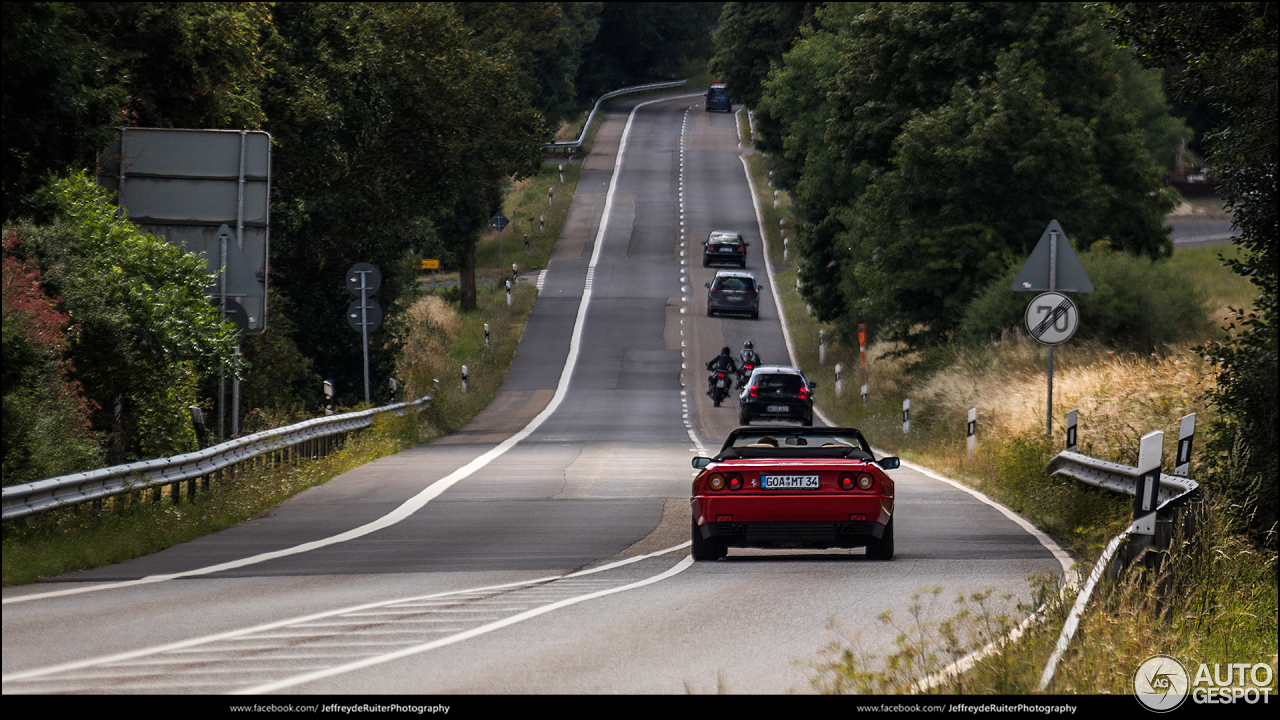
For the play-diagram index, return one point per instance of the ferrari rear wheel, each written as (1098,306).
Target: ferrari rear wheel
(706,549)
(882,548)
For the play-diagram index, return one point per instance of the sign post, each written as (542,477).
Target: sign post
(364,314)
(1051,317)
(499,221)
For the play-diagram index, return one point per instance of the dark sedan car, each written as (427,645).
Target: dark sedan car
(776,393)
(724,248)
(734,291)
(789,487)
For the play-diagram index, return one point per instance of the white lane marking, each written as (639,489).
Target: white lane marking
(678,568)
(415,503)
(310,620)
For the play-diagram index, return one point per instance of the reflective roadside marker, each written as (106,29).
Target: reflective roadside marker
(1148,489)
(971,432)
(1071,430)
(1187,431)
(906,416)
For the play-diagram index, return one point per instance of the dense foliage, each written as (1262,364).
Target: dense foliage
(928,145)
(144,333)
(1227,53)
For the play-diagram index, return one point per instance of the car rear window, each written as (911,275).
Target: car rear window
(785,383)
(726,240)
(734,283)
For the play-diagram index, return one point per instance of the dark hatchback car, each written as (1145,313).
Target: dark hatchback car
(776,393)
(734,291)
(718,98)
(724,248)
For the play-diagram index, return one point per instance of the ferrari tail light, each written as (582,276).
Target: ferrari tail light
(846,481)
(866,481)
(735,481)
(715,481)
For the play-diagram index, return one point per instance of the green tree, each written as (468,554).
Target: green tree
(184,64)
(382,115)
(1226,53)
(952,134)
(58,101)
(544,41)
(645,42)
(751,39)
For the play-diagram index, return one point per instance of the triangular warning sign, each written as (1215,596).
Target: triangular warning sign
(1070,274)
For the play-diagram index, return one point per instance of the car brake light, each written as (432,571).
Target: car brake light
(735,482)
(804,393)
(716,481)
(866,481)
(752,392)
(741,249)
(846,481)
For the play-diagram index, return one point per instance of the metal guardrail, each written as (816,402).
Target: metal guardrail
(1114,476)
(1129,480)
(575,144)
(43,495)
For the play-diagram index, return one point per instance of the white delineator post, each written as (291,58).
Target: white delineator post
(1148,489)
(866,395)
(906,416)
(839,387)
(1071,429)
(971,432)
(1187,431)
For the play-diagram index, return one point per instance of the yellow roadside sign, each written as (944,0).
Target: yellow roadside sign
(430,264)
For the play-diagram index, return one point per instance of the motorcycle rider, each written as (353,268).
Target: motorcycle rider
(722,362)
(749,357)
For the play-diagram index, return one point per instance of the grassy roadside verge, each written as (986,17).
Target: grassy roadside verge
(1216,601)
(84,537)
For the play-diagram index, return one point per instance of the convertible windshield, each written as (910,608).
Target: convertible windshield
(785,442)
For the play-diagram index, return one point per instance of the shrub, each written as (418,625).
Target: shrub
(1136,304)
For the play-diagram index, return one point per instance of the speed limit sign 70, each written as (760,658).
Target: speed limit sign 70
(1052,318)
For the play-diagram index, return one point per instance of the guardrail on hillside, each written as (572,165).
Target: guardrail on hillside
(43,495)
(1156,495)
(571,145)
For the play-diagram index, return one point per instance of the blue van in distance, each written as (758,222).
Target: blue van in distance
(718,98)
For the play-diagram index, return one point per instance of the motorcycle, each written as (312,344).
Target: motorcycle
(720,383)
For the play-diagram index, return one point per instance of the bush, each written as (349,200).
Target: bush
(145,332)
(1136,304)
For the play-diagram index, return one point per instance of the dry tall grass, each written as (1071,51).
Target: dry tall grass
(433,325)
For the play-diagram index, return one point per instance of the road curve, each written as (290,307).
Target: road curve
(558,565)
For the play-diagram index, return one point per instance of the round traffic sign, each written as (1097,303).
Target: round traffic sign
(1052,318)
(371,315)
(366,274)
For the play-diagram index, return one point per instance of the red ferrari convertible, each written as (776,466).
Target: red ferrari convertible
(793,487)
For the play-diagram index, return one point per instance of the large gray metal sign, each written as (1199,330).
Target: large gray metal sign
(208,192)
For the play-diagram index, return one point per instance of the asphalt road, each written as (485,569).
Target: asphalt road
(542,549)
